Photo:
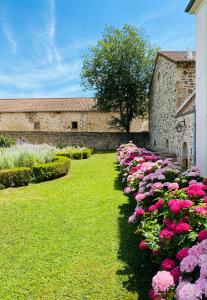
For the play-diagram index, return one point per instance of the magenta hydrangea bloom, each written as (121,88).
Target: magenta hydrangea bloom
(162,282)
(168,264)
(139,212)
(182,253)
(182,227)
(175,274)
(166,234)
(143,245)
(152,208)
(202,235)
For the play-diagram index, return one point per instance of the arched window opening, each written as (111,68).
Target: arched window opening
(185,156)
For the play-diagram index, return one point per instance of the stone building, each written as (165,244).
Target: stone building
(172,101)
(66,120)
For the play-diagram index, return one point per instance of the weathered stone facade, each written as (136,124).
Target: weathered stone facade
(62,121)
(162,106)
(172,83)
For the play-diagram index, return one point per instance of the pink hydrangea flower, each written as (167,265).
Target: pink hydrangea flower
(162,282)
(157,186)
(173,186)
(188,263)
(168,264)
(189,291)
(127,190)
(139,197)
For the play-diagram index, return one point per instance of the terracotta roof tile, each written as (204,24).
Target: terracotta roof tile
(47,104)
(179,56)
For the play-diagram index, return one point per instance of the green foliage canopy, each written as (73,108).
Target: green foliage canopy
(119,70)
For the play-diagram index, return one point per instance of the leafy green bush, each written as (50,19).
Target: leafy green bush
(6,141)
(15,177)
(76,154)
(64,153)
(79,153)
(59,167)
(87,153)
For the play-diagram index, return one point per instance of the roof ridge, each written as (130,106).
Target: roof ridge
(48,98)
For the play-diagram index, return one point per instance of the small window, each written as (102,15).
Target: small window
(158,76)
(167,144)
(37,125)
(74,125)
(155,143)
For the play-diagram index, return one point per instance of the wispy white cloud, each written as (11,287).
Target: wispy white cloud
(8,32)
(53,53)
(36,78)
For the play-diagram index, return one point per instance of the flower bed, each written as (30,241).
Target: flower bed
(25,155)
(171,216)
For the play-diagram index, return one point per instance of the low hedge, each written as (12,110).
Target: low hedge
(15,177)
(87,153)
(59,167)
(6,141)
(76,153)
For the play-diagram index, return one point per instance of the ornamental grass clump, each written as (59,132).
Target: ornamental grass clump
(171,217)
(25,155)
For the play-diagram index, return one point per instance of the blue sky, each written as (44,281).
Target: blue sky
(42,42)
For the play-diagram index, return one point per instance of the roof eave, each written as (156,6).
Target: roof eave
(193,6)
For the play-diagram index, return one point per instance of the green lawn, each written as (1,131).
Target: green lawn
(69,238)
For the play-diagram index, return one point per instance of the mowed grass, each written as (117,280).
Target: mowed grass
(68,238)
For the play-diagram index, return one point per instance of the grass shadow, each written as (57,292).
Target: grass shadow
(138,269)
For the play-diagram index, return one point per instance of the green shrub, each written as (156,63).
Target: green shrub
(15,177)
(76,153)
(61,145)
(87,153)
(64,153)
(59,167)
(6,141)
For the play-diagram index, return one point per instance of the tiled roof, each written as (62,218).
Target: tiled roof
(47,104)
(179,56)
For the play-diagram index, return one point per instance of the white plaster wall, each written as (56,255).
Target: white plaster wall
(201,87)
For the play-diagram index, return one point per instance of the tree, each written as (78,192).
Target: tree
(119,70)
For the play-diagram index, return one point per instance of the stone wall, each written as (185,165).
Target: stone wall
(62,121)
(171,84)
(185,84)
(94,140)
(162,107)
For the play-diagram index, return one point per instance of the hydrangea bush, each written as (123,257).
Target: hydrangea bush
(171,216)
